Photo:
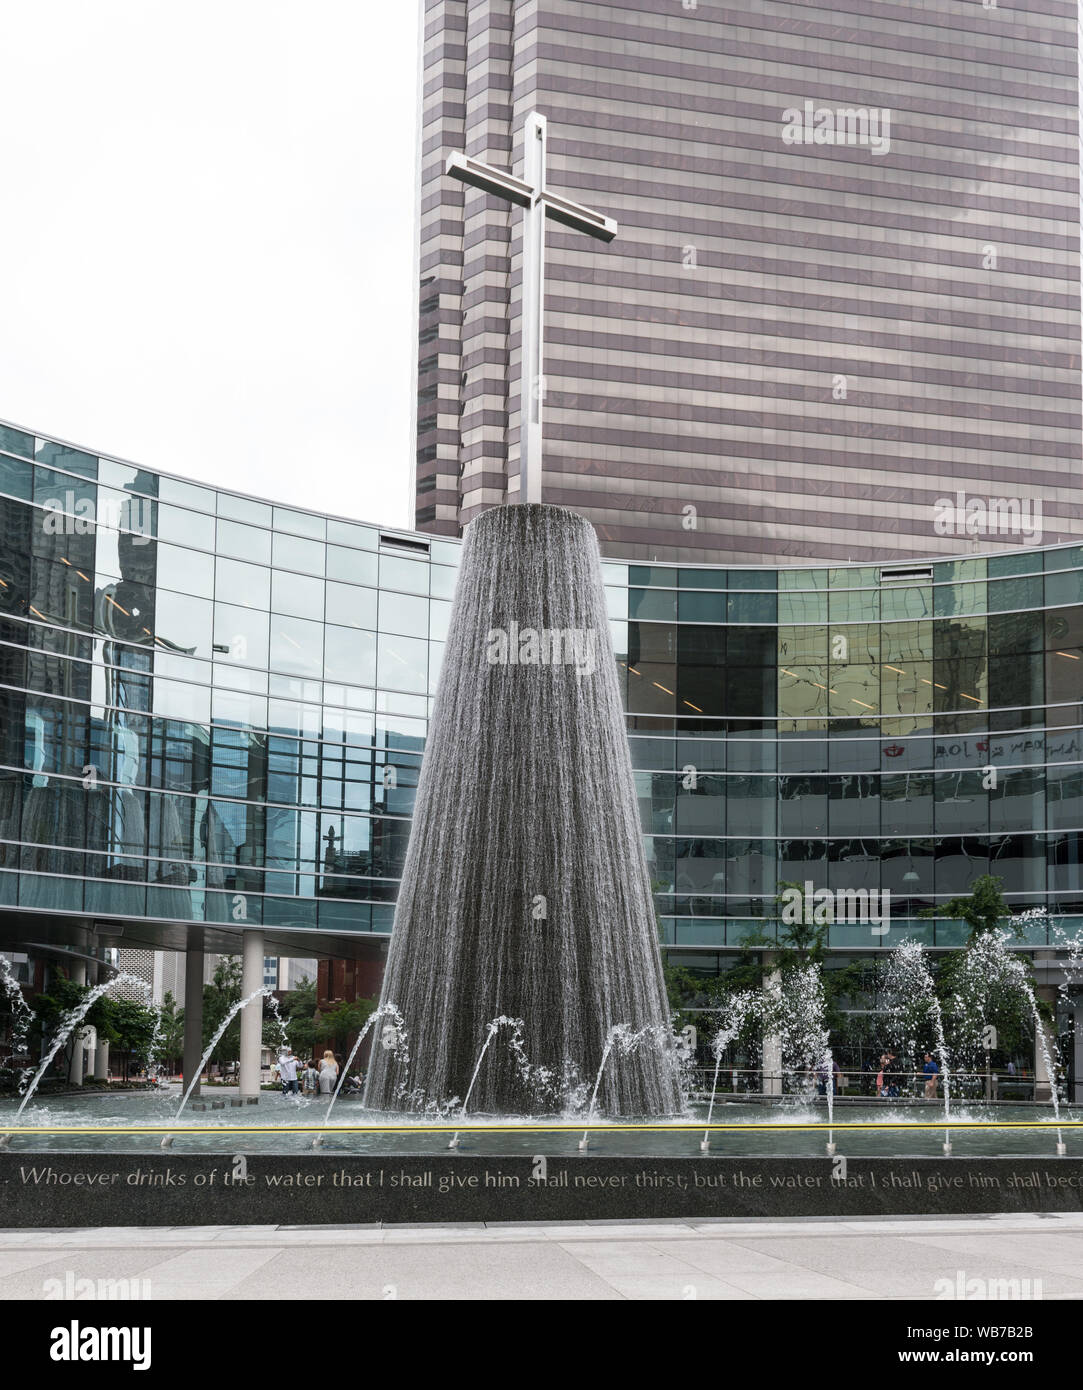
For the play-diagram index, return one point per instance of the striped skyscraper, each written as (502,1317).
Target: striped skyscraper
(845,291)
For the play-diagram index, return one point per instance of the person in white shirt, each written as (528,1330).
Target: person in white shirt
(287,1071)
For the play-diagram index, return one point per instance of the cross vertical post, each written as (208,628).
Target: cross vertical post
(539,202)
(532,378)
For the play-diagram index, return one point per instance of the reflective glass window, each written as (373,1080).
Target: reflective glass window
(246,586)
(300,523)
(180,700)
(350,534)
(296,646)
(352,566)
(439,621)
(16,442)
(404,614)
(407,576)
(240,635)
(185,528)
(442,581)
(184,622)
(244,542)
(297,595)
(403,664)
(184,494)
(702,608)
(245,509)
(350,606)
(350,655)
(16,478)
(657,605)
(295,553)
(1064,588)
(185,571)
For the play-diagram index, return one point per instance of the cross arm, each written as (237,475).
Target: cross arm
(480,175)
(578,217)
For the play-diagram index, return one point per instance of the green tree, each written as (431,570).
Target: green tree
(218,998)
(984,908)
(299,1013)
(339,1025)
(798,940)
(171,1033)
(53,1007)
(128,1027)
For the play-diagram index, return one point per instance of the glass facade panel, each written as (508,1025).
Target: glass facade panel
(244,542)
(296,646)
(297,595)
(349,606)
(241,584)
(294,553)
(239,711)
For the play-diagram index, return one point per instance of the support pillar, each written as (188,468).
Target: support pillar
(98,1062)
(77,973)
(193,1006)
(1043,1082)
(1077,1050)
(252,1015)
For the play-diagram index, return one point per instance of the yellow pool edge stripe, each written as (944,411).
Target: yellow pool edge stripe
(583,1126)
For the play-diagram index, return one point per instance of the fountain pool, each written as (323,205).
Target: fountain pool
(130,1123)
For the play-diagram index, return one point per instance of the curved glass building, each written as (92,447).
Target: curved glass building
(906,728)
(214,711)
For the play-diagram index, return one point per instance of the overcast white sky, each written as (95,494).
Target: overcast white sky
(207,239)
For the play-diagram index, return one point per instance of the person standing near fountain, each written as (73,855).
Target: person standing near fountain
(932,1076)
(287,1071)
(328,1073)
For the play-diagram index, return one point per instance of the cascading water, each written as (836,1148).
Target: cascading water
(395,1040)
(625,1042)
(800,1010)
(70,1021)
(152,1048)
(263,991)
(739,1008)
(276,1014)
(21,1012)
(990,968)
(913,1004)
(494,1027)
(799,1018)
(525,892)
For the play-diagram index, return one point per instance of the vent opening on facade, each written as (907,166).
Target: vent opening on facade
(914,574)
(412,547)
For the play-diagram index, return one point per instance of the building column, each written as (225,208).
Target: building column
(98,1063)
(1043,1082)
(193,1007)
(252,1015)
(77,974)
(771,1061)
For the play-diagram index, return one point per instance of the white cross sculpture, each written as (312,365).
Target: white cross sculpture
(540,202)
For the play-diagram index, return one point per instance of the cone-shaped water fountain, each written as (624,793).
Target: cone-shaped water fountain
(525,891)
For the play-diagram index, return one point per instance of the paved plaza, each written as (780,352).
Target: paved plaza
(765,1259)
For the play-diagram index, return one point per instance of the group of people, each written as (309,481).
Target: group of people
(887,1078)
(312,1077)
